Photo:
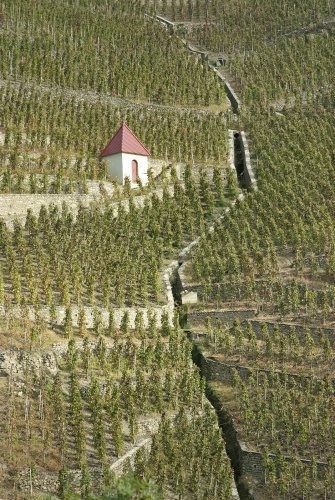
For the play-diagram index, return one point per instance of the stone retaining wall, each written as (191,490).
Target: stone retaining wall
(245,460)
(225,316)
(44,313)
(250,182)
(213,369)
(182,281)
(48,482)
(248,172)
(191,287)
(165,22)
(252,464)
(13,362)
(231,157)
(14,206)
(222,372)
(168,308)
(286,328)
(231,94)
(93,187)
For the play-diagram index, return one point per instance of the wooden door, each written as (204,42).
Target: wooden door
(134,171)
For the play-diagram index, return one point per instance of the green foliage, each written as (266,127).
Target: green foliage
(291,413)
(189,474)
(130,487)
(237,26)
(92,413)
(286,347)
(100,257)
(291,214)
(56,40)
(63,126)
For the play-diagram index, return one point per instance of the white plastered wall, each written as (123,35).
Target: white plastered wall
(120,166)
(142,161)
(115,166)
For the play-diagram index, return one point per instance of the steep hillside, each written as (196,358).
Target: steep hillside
(96,376)
(176,336)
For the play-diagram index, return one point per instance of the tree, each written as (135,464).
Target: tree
(59,415)
(97,321)
(165,324)
(86,354)
(2,290)
(232,184)
(127,187)
(218,185)
(65,292)
(71,355)
(139,324)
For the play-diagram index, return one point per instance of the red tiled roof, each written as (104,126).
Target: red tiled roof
(124,141)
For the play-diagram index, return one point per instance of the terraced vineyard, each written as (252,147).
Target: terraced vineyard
(270,260)
(100,399)
(97,380)
(291,240)
(58,112)
(264,321)
(275,54)
(50,146)
(94,259)
(111,295)
(132,59)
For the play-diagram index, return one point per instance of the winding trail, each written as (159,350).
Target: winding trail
(234,100)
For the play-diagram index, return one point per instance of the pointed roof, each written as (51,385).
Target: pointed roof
(124,141)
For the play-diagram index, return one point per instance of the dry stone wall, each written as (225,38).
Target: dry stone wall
(231,157)
(183,284)
(299,329)
(14,206)
(213,369)
(248,170)
(44,313)
(14,361)
(246,460)
(252,464)
(231,94)
(47,482)
(226,316)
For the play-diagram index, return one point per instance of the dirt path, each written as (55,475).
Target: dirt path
(231,95)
